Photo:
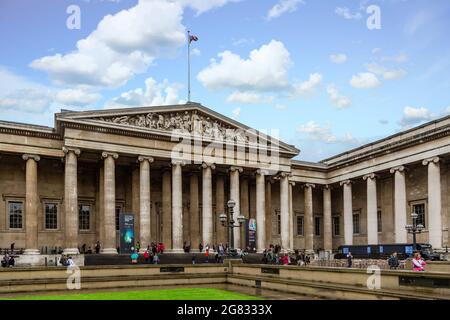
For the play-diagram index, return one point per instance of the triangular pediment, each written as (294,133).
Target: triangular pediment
(192,118)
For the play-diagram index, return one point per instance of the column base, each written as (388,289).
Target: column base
(109,251)
(69,251)
(31,251)
(174,251)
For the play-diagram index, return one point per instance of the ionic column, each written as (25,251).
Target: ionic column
(260,211)
(235,196)
(245,208)
(177,206)
(71,201)
(194,211)
(327,224)
(372,209)
(109,219)
(400,212)
(268,212)
(284,210)
(434,202)
(291,215)
(221,232)
(31,204)
(309,218)
(166,236)
(207,210)
(348,212)
(144,202)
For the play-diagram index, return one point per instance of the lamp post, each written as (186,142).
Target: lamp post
(414,228)
(231,225)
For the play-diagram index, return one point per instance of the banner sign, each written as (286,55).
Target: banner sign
(126,226)
(252,233)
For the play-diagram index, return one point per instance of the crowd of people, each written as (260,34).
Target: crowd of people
(274,255)
(8,261)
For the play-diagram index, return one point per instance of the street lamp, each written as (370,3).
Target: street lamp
(231,224)
(414,228)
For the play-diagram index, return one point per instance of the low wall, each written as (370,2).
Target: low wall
(438,266)
(331,283)
(55,278)
(344,283)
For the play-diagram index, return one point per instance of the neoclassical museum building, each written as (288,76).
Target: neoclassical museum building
(175,168)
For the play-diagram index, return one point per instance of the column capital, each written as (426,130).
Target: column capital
(31,156)
(371,176)
(326,187)
(206,165)
(430,160)
(145,158)
(309,185)
(263,172)
(76,151)
(284,174)
(106,154)
(292,183)
(399,169)
(178,162)
(233,168)
(345,182)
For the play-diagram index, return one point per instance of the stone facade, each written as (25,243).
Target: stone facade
(64,186)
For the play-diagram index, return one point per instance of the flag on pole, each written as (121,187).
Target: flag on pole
(193,38)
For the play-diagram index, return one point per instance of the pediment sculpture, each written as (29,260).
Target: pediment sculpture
(191,122)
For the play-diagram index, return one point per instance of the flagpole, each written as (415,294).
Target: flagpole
(189,66)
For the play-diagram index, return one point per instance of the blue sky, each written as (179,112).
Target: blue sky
(311,69)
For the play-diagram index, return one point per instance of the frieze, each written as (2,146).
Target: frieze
(191,122)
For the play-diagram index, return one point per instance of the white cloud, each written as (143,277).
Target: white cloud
(376,50)
(27,100)
(412,116)
(248,97)
(347,14)
(195,52)
(242,41)
(365,80)
(280,106)
(236,113)
(387,74)
(76,97)
(338,58)
(112,54)
(201,6)
(154,94)
(336,98)
(284,6)
(266,69)
(400,58)
(447,111)
(308,87)
(316,132)
(27,97)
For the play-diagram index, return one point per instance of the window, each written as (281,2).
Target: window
(278,224)
(317,226)
(356,223)
(336,226)
(51,216)
(300,225)
(84,215)
(118,212)
(15,214)
(379,222)
(420,210)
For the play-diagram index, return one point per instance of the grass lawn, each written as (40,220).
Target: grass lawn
(169,294)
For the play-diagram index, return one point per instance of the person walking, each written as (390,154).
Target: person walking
(393,261)
(349,260)
(418,262)
(97,247)
(207,254)
(285,259)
